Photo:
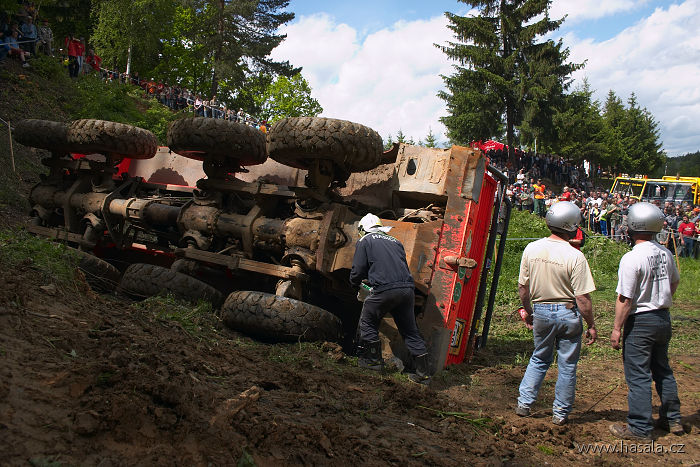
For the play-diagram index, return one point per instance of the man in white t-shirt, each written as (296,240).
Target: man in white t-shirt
(556,278)
(647,280)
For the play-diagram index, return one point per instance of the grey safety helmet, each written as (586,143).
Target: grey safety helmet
(645,218)
(563,216)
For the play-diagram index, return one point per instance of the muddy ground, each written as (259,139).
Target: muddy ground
(89,379)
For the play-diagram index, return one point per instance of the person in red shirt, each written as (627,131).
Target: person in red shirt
(73,49)
(579,239)
(94,60)
(566,194)
(687,232)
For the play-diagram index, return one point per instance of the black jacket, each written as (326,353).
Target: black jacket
(381,259)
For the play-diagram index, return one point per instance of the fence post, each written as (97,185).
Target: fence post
(12,154)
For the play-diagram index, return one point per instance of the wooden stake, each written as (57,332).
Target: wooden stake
(12,154)
(675,250)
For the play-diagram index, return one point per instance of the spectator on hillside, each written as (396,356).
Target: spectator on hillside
(81,55)
(45,41)
(73,50)
(13,49)
(29,35)
(93,60)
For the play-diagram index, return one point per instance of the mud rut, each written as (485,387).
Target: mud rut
(88,379)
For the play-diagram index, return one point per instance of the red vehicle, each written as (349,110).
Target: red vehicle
(279,231)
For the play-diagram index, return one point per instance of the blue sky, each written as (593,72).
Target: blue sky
(374,61)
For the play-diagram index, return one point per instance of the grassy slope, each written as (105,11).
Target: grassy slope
(45,91)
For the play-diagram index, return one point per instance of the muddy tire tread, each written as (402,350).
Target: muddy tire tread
(195,136)
(102,136)
(99,274)
(43,134)
(294,141)
(147,280)
(271,317)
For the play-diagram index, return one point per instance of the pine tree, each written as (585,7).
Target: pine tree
(631,137)
(503,75)
(580,128)
(389,142)
(430,140)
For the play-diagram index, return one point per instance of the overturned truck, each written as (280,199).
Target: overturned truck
(265,226)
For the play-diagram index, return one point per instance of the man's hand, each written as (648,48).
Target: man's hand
(615,339)
(529,321)
(591,335)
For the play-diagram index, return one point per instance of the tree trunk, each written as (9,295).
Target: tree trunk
(128,60)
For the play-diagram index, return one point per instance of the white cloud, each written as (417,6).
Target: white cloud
(387,81)
(578,10)
(659,60)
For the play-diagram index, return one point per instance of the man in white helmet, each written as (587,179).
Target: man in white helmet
(554,284)
(647,280)
(381,259)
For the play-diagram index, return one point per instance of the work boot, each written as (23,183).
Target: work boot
(422,374)
(624,432)
(674,427)
(370,355)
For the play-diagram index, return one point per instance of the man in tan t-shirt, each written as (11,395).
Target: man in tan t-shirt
(554,285)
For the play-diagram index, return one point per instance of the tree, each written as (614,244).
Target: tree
(685,166)
(288,97)
(503,75)
(400,137)
(238,36)
(631,136)
(128,35)
(430,140)
(579,126)
(389,142)
(642,139)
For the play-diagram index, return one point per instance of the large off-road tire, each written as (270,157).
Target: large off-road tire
(99,274)
(274,318)
(297,141)
(147,280)
(118,139)
(197,137)
(44,134)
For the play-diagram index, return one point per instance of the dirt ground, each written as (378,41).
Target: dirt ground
(89,379)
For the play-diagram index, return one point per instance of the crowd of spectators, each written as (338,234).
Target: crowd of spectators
(177,98)
(603,213)
(21,39)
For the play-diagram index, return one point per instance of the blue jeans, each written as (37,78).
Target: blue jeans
(604,227)
(645,356)
(689,247)
(554,326)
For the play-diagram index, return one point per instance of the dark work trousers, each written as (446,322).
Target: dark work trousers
(645,356)
(399,303)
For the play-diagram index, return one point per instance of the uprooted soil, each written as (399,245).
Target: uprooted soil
(90,379)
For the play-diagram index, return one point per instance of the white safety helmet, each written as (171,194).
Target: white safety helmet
(370,223)
(645,218)
(563,216)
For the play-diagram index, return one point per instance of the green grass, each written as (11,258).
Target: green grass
(52,260)
(121,103)
(194,319)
